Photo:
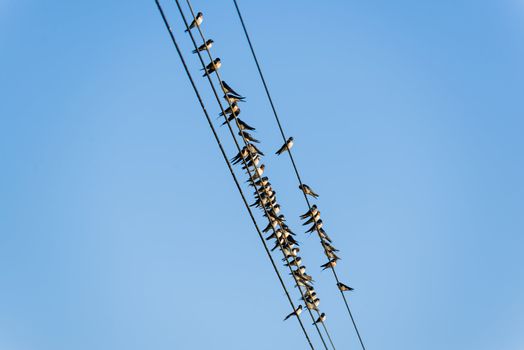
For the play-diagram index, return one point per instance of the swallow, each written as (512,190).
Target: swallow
(213,66)
(244,126)
(291,253)
(286,228)
(250,162)
(295,312)
(285,147)
(231,117)
(300,271)
(309,295)
(332,256)
(254,150)
(233,98)
(313,305)
(196,22)
(265,191)
(304,284)
(270,225)
(329,264)
(321,318)
(313,211)
(262,182)
(242,154)
(248,136)
(295,262)
(329,247)
(229,90)
(205,46)
(291,240)
(313,218)
(343,287)
(307,190)
(263,202)
(322,234)
(259,171)
(316,226)
(231,109)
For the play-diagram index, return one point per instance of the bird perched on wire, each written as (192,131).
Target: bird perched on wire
(295,262)
(329,264)
(205,46)
(254,150)
(248,136)
(307,190)
(316,226)
(343,287)
(313,218)
(213,66)
(231,109)
(313,211)
(321,318)
(197,21)
(233,98)
(295,312)
(229,90)
(231,117)
(259,171)
(285,147)
(244,126)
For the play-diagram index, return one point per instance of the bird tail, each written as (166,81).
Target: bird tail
(194,51)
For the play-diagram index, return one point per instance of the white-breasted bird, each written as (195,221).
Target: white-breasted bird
(295,312)
(244,126)
(307,190)
(313,218)
(329,264)
(229,90)
(248,136)
(197,21)
(316,226)
(205,46)
(231,109)
(313,211)
(233,98)
(285,147)
(213,66)
(343,287)
(321,318)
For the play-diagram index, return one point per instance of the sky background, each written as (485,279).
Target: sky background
(120,226)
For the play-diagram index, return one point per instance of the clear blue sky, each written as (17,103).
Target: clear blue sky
(120,227)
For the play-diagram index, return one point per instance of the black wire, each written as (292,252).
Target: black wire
(291,158)
(234,138)
(230,168)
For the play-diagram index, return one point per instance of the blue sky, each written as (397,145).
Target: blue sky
(120,227)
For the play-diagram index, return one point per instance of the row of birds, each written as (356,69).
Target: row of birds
(250,157)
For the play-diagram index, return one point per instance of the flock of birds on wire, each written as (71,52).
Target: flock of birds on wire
(283,236)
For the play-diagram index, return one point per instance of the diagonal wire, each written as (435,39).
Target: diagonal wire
(231,169)
(292,160)
(244,140)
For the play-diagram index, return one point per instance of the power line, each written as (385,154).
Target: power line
(238,147)
(217,139)
(292,160)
